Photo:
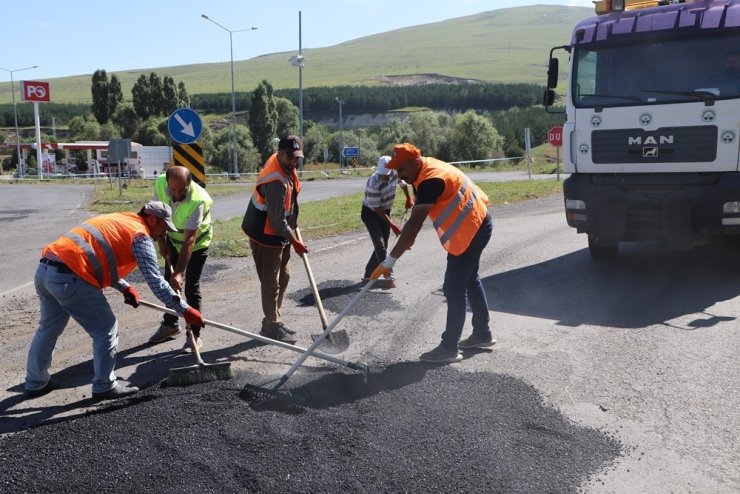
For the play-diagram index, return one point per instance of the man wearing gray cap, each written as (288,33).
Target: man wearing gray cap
(70,279)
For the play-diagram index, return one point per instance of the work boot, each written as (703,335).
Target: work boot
(165,332)
(50,385)
(278,333)
(188,348)
(115,392)
(266,327)
(477,341)
(441,355)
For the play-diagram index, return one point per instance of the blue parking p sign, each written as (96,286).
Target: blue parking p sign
(185,126)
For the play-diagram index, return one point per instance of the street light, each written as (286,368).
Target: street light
(233,92)
(341,134)
(15,116)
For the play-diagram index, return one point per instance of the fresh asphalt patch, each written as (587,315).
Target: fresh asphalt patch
(410,427)
(337,294)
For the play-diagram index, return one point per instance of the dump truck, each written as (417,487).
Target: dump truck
(651,135)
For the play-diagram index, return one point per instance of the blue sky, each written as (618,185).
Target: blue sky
(77,37)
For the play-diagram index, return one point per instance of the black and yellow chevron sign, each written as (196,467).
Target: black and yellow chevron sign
(191,157)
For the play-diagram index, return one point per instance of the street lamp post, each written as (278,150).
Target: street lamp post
(341,134)
(15,117)
(235,160)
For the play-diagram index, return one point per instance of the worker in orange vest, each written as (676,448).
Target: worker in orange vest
(459,213)
(270,222)
(70,279)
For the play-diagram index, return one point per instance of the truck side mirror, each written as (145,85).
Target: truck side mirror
(552,73)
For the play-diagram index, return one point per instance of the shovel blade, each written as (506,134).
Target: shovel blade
(334,343)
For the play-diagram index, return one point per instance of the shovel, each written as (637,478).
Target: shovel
(264,394)
(336,342)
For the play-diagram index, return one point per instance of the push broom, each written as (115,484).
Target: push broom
(200,372)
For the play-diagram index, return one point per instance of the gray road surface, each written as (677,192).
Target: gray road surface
(614,377)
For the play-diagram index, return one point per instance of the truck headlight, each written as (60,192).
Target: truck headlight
(578,204)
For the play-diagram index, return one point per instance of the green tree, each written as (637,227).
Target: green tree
(141,93)
(156,94)
(183,98)
(426,132)
(395,132)
(115,95)
(82,129)
(316,137)
(263,119)
(287,117)
(247,154)
(474,138)
(109,131)
(169,95)
(149,134)
(100,96)
(126,119)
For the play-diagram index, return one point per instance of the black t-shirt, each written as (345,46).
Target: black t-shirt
(429,191)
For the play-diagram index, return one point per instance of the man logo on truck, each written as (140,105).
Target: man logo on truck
(638,141)
(651,152)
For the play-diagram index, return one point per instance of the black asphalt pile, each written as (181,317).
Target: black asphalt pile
(410,428)
(337,294)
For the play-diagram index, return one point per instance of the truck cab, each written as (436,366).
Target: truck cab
(652,123)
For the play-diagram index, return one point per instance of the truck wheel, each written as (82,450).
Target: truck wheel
(600,252)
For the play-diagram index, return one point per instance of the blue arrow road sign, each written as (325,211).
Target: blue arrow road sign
(185,126)
(351,152)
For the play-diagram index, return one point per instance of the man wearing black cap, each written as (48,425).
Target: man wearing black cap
(270,222)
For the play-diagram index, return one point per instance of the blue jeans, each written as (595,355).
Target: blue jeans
(462,283)
(62,296)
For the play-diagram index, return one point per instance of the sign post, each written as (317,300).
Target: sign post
(185,127)
(36,91)
(555,138)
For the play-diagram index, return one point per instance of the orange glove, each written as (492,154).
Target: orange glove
(192,316)
(384,269)
(409,203)
(299,247)
(131,296)
(395,228)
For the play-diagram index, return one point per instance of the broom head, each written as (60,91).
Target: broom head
(201,373)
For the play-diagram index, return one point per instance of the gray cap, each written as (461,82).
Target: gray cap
(161,210)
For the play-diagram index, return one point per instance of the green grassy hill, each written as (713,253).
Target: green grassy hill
(505,45)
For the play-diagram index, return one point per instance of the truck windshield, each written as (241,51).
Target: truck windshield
(657,71)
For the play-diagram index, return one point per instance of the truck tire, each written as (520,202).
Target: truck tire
(599,251)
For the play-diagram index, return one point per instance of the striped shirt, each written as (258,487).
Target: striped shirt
(380,193)
(146,258)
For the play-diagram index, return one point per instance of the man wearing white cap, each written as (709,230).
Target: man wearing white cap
(380,194)
(70,279)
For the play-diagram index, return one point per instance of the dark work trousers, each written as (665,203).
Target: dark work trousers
(379,231)
(192,282)
(462,283)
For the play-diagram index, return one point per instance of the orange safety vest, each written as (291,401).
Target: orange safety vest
(256,224)
(460,209)
(99,250)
